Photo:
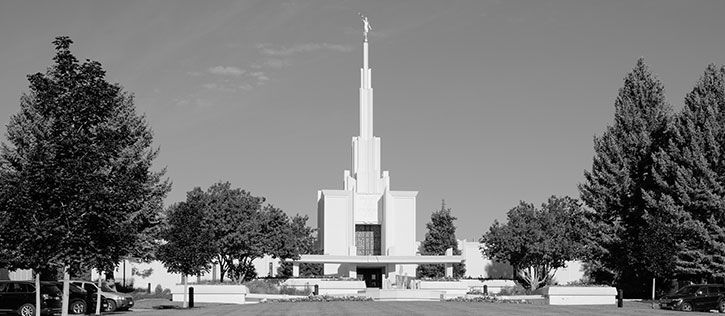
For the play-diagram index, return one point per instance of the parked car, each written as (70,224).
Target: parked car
(696,297)
(80,301)
(19,297)
(116,301)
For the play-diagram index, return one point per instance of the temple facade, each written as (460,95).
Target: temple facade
(366,230)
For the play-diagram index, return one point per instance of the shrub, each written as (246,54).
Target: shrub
(322,298)
(486,299)
(262,286)
(294,291)
(440,279)
(159,290)
(514,290)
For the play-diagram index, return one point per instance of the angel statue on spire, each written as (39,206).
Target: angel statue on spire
(366,26)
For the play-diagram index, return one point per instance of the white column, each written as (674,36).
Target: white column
(449,266)
(295,269)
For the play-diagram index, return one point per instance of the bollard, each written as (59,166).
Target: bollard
(191,297)
(317,289)
(485,289)
(148,290)
(620,298)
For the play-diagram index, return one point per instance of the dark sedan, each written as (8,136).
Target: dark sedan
(696,297)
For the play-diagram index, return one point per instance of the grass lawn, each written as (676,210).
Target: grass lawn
(413,308)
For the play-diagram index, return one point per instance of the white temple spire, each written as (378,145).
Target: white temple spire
(366,90)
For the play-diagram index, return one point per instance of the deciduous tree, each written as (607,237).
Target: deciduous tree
(536,242)
(76,185)
(188,237)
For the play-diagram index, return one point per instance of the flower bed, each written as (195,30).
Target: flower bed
(327,286)
(321,298)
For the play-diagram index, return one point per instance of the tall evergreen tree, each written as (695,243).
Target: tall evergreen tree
(76,185)
(622,173)
(690,174)
(441,235)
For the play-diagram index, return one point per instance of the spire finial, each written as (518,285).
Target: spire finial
(443,204)
(366,26)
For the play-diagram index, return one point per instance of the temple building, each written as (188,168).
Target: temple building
(366,230)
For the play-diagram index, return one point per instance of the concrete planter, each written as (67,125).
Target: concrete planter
(212,293)
(580,295)
(327,287)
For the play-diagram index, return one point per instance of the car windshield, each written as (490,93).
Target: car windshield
(50,289)
(688,290)
(75,289)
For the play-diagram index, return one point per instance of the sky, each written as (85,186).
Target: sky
(480,103)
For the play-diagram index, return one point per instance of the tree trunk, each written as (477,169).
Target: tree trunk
(222,268)
(98,294)
(66,289)
(37,293)
(186,303)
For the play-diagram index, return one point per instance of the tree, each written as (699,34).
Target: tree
(244,229)
(76,189)
(236,219)
(536,242)
(621,174)
(441,235)
(306,269)
(188,237)
(689,195)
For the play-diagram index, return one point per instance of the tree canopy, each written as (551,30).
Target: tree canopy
(76,185)
(188,236)
(536,242)
(441,235)
(689,193)
(243,228)
(622,173)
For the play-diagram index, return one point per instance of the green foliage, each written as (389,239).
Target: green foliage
(188,236)
(536,242)
(688,199)
(657,185)
(441,235)
(306,269)
(517,289)
(322,298)
(142,273)
(263,286)
(243,229)
(272,286)
(76,188)
(621,175)
(289,290)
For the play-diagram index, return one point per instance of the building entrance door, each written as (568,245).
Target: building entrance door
(373,277)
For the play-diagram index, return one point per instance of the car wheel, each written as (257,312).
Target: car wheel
(77,307)
(686,307)
(111,306)
(26,310)
(721,306)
